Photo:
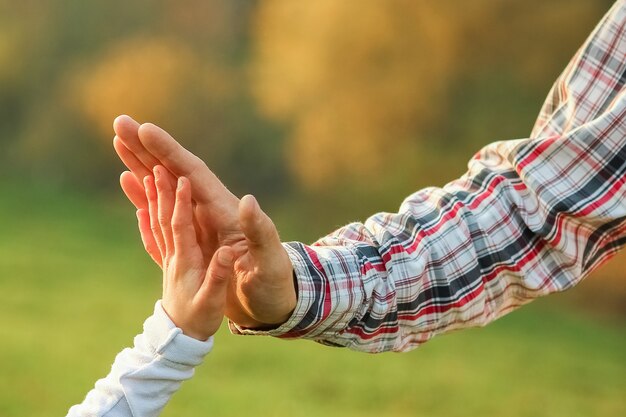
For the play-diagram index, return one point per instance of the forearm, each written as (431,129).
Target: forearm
(143,378)
(455,257)
(530,217)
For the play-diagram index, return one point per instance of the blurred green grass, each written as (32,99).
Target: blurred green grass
(75,287)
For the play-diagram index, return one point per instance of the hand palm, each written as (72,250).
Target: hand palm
(262,292)
(256,294)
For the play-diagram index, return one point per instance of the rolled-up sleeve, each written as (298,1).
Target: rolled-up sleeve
(530,217)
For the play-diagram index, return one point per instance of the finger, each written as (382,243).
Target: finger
(133,190)
(212,293)
(165,196)
(258,228)
(207,239)
(143,218)
(125,126)
(129,159)
(206,187)
(153,207)
(185,239)
(127,130)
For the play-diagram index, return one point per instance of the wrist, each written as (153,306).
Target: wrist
(169,341)
(186,328)
(198,335)
(291,301)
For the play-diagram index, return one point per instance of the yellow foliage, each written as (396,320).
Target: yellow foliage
(9,48)
(356,79)
(138,76)
(353,80)
(533,38)
(145,77)
(19,38)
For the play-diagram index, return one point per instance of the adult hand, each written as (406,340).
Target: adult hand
(262,293)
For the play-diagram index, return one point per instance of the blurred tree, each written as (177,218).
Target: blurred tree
(361,84)
(144,77)
(352,84)
(68,68)
(512,53)
(363,101)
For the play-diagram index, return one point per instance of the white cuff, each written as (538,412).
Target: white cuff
(167,340)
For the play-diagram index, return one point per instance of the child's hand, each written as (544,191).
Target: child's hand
(194,294)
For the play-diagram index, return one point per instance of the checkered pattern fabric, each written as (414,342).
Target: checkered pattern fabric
(530,217)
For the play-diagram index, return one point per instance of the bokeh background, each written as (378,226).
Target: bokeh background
(328,111)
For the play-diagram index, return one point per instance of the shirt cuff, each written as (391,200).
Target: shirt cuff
(167,340)
(325,306)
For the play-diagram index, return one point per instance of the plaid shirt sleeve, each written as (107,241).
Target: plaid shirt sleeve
(530,217)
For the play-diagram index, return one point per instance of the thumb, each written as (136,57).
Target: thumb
(256,225)
(218,277)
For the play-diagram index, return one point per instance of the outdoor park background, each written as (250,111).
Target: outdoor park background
(328,112)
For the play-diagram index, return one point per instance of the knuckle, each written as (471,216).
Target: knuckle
(199,163)
(219,278)
(163,219)
(180,224)
(219,274)
(197,166)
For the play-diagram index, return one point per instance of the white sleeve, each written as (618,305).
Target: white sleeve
(143,379)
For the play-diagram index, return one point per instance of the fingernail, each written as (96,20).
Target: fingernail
(157,173)
(252,201)
(225,257)
(181,181)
